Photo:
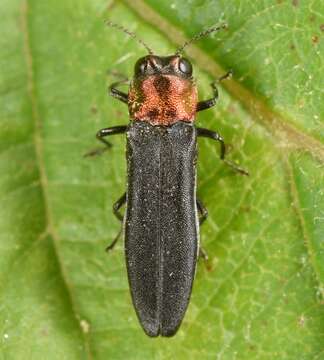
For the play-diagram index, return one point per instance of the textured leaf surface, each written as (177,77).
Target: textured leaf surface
(61,295)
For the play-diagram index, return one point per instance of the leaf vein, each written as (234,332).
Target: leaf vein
(38,144)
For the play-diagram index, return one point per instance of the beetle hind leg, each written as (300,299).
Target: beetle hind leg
(112,245)
(116,207)
(203,254)
(203,212)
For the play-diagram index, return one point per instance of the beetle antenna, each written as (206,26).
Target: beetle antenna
(200,35)
(130,33)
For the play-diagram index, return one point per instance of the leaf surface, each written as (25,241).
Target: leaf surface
(61,295)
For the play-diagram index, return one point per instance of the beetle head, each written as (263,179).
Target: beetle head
(163,91)
(163,65)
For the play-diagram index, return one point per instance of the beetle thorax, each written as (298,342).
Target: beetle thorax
(162,99)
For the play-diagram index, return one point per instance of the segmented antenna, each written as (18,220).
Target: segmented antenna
(200,35)
(130,33)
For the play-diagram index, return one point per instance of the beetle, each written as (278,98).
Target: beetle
(163,214)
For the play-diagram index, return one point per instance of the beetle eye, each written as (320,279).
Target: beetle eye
(141,66)
(185,66)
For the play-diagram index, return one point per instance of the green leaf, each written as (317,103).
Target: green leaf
(62,296)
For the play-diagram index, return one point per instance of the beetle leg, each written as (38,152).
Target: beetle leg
(203,254)
(113,91)
(206,104)
(103,133)
(116,207)
(203,212)
(110,131)
(215,136)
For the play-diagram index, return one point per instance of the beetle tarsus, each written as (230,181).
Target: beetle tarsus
(226,76)
(203,212)
(97,152)
(112,245)
(203,254)
(236,167)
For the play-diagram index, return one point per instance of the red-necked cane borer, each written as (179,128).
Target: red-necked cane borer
(163,214)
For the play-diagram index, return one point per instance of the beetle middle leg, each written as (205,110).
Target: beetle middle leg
(116,207)
(203,212)
(103,133)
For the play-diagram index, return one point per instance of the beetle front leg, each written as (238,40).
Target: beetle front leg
(116,207)
(206,104)
(215,136)
(113,91)
(103,133)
